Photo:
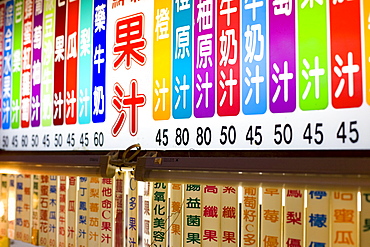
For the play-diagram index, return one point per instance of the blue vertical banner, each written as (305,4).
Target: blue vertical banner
(254,74)
(84,56)
(7,64)
(182,56)
(99,61)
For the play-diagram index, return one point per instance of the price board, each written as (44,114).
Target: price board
(185,74)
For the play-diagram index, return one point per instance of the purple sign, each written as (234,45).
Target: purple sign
(36,64)
(282,56)
(204,58)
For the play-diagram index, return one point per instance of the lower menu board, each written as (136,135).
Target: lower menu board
(185,74)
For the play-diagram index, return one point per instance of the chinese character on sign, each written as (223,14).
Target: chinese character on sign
(282,7)
(257,80)
(59,48)
(181,87)
(205,14)
(182,5)
(193,238)
(100,18)
(204,51)
(228,10)
(271,241)
(315,72)
(37,37)
(72,46)
(292,242)
(158,90)
(318,220)
(285,76)
(250,202)
(228,46)
(84,100)
(85,42)
(161,28)
(210,235)
(129,41)
(294,218)
(132,101)
(340,69)
(98,59)
(253,40)
(230,83)
(271,215)
(253,5)
(70,101)
(344,237)
(203,85)
(182,42)
(99,99)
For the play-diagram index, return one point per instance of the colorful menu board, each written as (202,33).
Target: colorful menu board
(185,74)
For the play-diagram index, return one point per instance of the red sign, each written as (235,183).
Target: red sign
(345,35)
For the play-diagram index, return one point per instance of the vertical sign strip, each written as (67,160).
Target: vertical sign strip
(35,210)
(162,60)
(59,65)
(83,213)
(71,230)
(159,214)
(26,64)
(254,61)
(293,217)
(27,208)
(119,213)
(36,64)
(251,216)
(176,213)
(365,219)
(211,215)
(346,60)
(107,209)
(271,216)
(229,221)
(132,235)
(99,61)
(53,211)
(62,226)
(11,205)
(2,49)
(228,61)
(366,24)
(94,212)
(17,64)
(344,220)
(85,64)
(313,56)
(204,58)
(19,208)
(4,203)
(7,65)
(44,210)
(47,62)
(71,64)
(282,56)
(147,206)
(192,215)
(317,219)
(182,56)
